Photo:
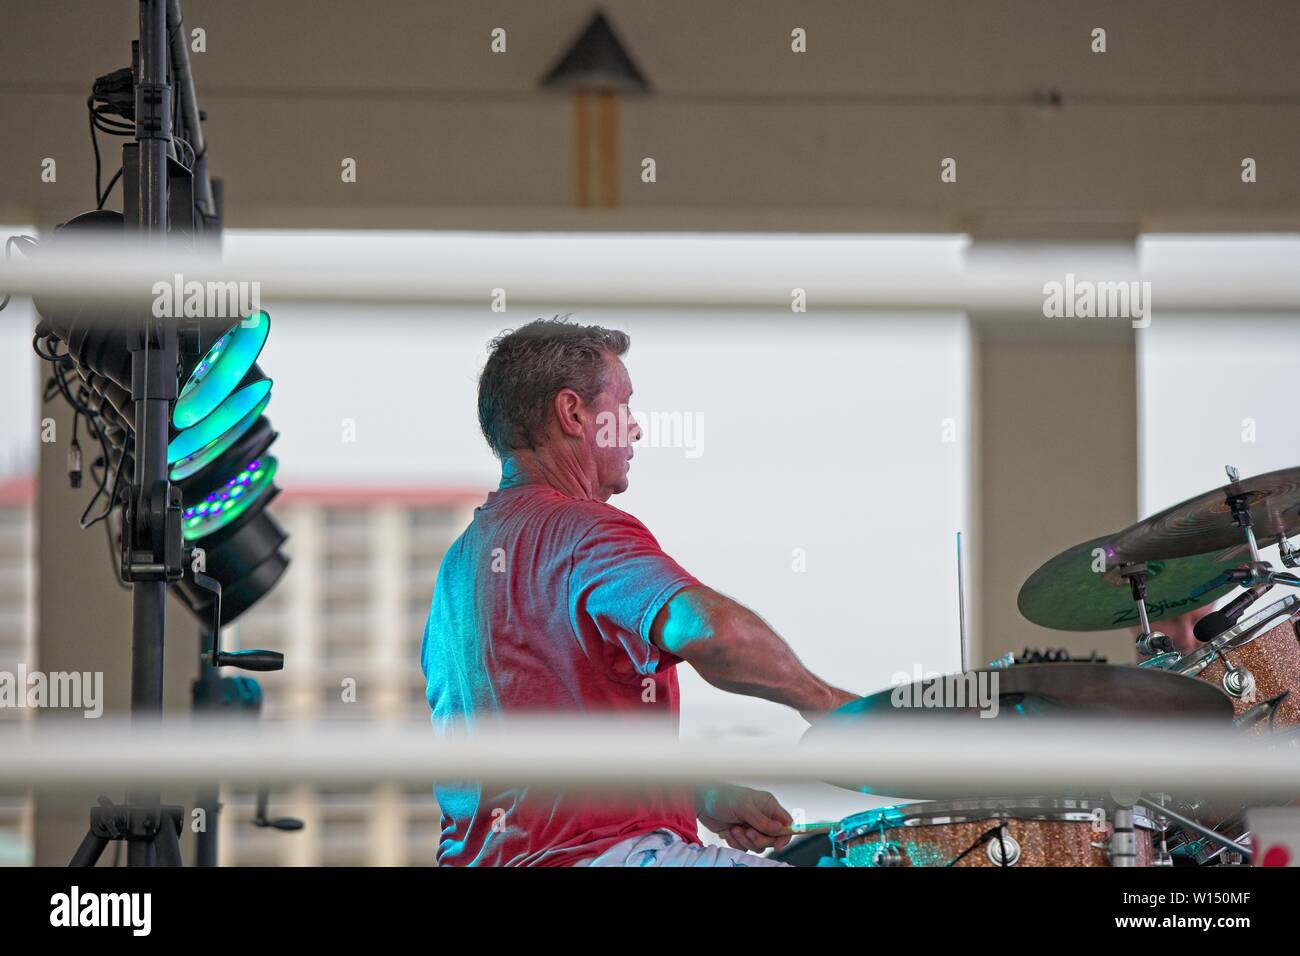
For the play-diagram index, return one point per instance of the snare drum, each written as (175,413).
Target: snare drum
(1014,832)
(1262,668)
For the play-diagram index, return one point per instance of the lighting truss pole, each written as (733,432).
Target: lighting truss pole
(152,541)
(153,389)
(153,363)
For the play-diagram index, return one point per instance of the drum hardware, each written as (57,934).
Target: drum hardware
(1230,857)
(1289,555)
(1240,507)
(889,854)
(1054,655)
(1003,849)
(1148,642)
(1163,662)
(1189,824)
(1239,682)
(1265,710)
(1239,635)
(1153,643)
(1249,576)
(1123,839)
(1162,857)
(1123,834)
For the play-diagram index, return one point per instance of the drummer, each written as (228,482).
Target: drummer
(553,600)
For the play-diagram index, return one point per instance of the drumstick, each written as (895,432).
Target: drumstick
(798,829)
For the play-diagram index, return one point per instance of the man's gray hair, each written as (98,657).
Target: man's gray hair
(527,367)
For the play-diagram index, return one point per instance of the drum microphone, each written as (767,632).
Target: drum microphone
(1216,622)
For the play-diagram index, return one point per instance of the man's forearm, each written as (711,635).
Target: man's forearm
(750,658)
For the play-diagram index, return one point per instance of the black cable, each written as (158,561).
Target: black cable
(67,393)
(51,353)
(76,445)
(15,240)
(92,416)
(94,141)
(108,189)
(46,356)
(113,556)
(979,842)
(105,124)
(190,148)
(112,495)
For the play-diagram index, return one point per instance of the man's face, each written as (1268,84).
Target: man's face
(1180,629)
(612,431)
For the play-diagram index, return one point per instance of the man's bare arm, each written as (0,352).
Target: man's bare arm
(733,649)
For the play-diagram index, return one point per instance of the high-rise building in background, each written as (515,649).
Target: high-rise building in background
(17,645)
(349,616)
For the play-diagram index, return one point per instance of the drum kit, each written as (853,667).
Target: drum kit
(1243,667)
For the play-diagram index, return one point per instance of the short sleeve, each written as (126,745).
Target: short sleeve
(619,581)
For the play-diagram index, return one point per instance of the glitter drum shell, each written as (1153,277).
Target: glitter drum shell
(1037,832)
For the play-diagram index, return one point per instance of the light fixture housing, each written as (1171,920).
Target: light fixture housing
(247,563)
(222,369)
(192,447)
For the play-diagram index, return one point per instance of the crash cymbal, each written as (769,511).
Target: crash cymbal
(1067,593)
(1203,524)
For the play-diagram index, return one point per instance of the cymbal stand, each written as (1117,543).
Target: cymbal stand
(1149,643)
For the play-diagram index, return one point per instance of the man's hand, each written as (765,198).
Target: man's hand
(745,819)
(835,700)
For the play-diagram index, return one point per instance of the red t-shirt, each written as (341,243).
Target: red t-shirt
(545,604)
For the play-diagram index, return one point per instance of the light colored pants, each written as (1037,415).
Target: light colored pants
(665,848)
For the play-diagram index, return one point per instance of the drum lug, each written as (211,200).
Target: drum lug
(1238,681)
(995,848)
(888,854)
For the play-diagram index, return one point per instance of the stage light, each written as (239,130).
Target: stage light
(223,369)
(219,429)
(238,481)
(247,563)
(222,507)
(217,453)
(191,465)
(95,337)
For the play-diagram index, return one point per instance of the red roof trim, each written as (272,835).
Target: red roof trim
(388,494)
(20,490)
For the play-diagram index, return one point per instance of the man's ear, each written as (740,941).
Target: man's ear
(568,412)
